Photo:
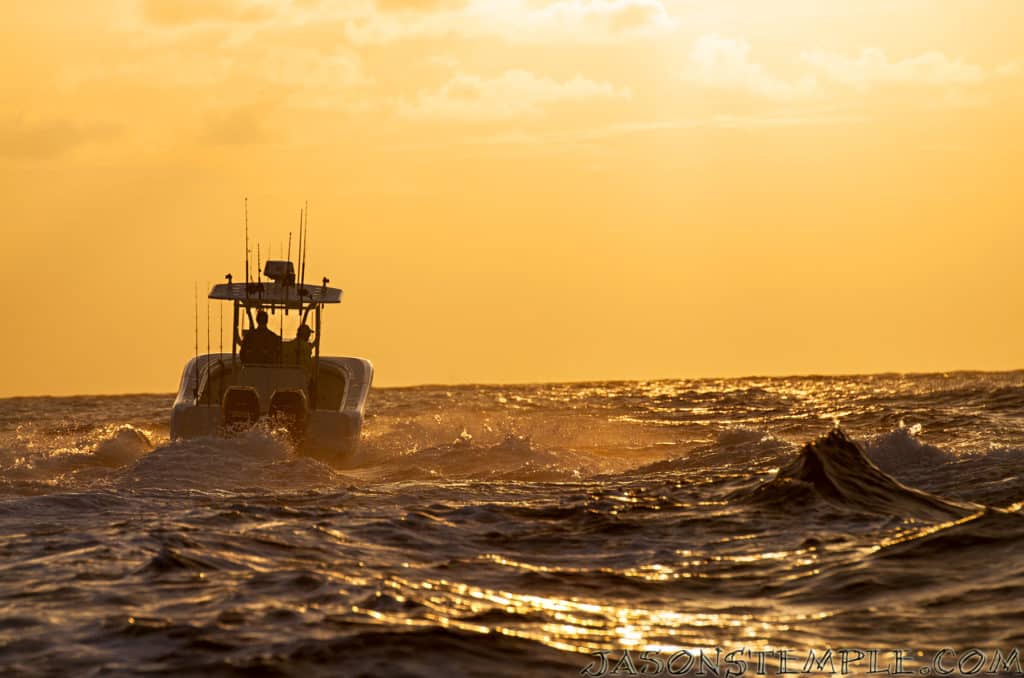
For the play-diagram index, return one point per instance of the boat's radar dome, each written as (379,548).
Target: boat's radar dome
(280,271)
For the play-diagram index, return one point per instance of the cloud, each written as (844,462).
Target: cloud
(576,137)
(513,94)
(603,16)
(724,63)
(308,69)
(48,138)
(872,66)
(186,12)
(418,5)
(387,21)
(775,120)
(1011,69)
(293,59)
(509,20)
(311,76)
(238,127)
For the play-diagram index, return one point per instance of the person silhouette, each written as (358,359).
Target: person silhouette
(299,350)
(260,345)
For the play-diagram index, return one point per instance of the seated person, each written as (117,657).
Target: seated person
(260,345)
(299,350)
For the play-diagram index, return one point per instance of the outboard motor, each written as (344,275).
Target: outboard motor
(290,408)
(240,407)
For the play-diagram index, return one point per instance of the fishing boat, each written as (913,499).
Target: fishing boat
(319,400)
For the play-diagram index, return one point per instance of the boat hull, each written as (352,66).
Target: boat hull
(325,415)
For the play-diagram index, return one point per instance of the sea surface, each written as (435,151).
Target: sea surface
(523,530)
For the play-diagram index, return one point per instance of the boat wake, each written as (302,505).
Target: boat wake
(256,460)
(72,458)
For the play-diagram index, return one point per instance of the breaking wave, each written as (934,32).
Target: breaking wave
(897,450)
(27,462)
(836,471)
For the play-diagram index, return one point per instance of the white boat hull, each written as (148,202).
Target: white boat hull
(326,413)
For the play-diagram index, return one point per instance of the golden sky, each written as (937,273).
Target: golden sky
(519,190)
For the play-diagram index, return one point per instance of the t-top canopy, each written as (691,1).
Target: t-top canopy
(265,294)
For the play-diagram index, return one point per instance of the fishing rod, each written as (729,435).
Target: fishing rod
(298,256)
(305,245)
(195,364)
(247,244)
(209,356)
(220,350)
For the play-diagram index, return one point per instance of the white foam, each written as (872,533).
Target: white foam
(902,447)
(253,459)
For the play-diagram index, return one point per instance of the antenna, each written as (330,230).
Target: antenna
(195,364)
(298,256)
(289,246)
(209,395)
(246,241)
(305,245)
(259,266)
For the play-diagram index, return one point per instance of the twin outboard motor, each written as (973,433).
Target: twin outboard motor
(288,408)
(240,407)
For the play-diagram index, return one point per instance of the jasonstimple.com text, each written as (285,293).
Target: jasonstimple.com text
(722,663)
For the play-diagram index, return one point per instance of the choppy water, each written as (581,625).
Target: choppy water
(513,530)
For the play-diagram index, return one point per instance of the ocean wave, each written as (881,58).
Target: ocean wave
(836,471)
(980,537)
(29,458)
(902,447)
(737,446)
(514,458)
(946,563)
(511,529)
(256,460)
